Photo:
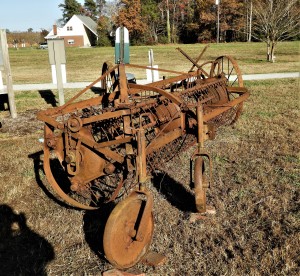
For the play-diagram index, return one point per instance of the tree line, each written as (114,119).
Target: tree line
(28,38)
(191,21)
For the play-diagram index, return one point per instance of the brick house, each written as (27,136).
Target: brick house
(79,31)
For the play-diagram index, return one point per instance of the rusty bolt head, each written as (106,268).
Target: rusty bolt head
(109,168)
(51,143)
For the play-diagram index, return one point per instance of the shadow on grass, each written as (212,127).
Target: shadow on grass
(49,97)
(63,182)
(174,192)
(93,225)
(22,251)
(98,90)
(4,102)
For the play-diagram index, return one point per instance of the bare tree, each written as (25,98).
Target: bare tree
(250,7)
(274,21)
(168,21)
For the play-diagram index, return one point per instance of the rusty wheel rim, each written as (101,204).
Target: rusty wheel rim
(91,197)
(120,246)
(108,82)
(57,188)
(227,66)
(90,200)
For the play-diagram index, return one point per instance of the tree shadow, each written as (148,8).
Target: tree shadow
(22,251)
(174,192)
(49,97)
(94,225)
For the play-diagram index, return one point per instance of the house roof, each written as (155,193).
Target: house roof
(88,22)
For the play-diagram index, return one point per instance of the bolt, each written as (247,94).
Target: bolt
(74,186)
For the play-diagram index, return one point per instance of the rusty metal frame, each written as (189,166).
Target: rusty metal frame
(108,145)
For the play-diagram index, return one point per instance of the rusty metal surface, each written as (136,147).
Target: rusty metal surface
(129,229)
(100,149)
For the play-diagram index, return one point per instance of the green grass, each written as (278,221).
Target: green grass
(84,64)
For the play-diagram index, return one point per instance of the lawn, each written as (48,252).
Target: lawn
(84,64)
(256,190)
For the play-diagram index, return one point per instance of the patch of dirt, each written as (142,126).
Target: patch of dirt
(25,123)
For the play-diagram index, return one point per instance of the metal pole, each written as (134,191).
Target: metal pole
(122,45)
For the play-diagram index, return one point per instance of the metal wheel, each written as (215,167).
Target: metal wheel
(206,68)
(227,66)
(86,191)
(123,247)
(108,83)
(59,189)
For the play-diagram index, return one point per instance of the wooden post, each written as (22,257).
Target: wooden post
(60,86)
(57,57)
(5,66)
(151,61)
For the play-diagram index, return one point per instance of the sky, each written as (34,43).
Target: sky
(20,15)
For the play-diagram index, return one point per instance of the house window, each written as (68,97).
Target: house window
(71,41)
(69,28)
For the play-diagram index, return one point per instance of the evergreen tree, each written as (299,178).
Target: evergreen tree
(69,8)
(151,16)
(103,31)
(90,8)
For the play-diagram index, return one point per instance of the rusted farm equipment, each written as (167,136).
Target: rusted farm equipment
(105,147)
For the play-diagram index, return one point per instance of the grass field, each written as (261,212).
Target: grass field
(84,64)
(256,189)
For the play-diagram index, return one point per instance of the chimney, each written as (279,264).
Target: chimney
(54,29)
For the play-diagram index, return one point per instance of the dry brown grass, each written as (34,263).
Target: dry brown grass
(255,192)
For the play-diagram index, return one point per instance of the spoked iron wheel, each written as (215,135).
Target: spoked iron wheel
(108,82)
(124,242)
(228,67)
(206,68)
